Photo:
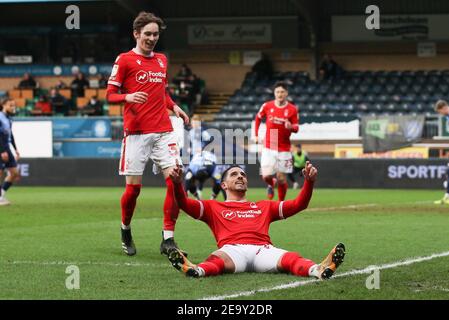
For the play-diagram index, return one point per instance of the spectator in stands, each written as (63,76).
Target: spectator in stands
(103,81)
(188,88)
(28,82)
(183,74)
(42,107)
(263,68)
(59,104)
(93,108)
(79,84)
(61,85)
(329,69)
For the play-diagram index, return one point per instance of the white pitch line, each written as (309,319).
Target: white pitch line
(93,263)
(295,284)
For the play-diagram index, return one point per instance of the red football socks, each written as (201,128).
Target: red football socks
(128,202)
(213,266)
(171,209)
(293,263)
(282,190)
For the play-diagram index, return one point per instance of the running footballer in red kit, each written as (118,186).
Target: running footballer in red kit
(240,228)
(281,120)
(139,79)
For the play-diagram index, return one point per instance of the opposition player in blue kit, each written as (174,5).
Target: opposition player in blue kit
(8,160)
(203,166)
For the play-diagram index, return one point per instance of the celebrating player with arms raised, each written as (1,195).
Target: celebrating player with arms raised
(241,229)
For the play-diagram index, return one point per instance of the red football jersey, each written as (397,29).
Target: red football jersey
(235,222)
(275,124)
(133,72)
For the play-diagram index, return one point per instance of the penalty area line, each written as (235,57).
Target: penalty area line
(366,270)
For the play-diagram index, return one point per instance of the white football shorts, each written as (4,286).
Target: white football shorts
(254,258)
(273,161)
(162,148)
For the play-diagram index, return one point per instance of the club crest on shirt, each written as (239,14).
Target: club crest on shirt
(253,205)
(139,62)
(160,63)
(286,113)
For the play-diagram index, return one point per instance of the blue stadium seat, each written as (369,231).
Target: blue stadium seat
(311,107)
(336,89)
(403,89)
(363,89)
(343,98)
(349,89)
(416,107)
(383,98)
(357,98)
(371,98)
(390,88)
(330,98)
(349,108)
(416,88)
(429,88)
(362,107)
(300,99)
(317,98)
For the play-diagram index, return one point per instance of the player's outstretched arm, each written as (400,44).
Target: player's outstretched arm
(192,207)
(291,207)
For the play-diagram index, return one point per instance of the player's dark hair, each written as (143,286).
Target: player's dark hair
(225,173)
(144,18)
(281,84)
(4,101)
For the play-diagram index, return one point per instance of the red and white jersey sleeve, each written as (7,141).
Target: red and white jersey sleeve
(277,137)
(261,114)
(133,72)
(240,222)
(118,72)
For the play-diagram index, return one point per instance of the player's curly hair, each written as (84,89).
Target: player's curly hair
(144,18)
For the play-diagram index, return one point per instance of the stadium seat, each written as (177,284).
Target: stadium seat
(102,94)
(115,110)
(27,93)
(81,102)
(66,93)
(14,94)
(89,93)
(390,88)
(20,102)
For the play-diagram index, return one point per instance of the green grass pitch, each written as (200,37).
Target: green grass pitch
(47,229)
